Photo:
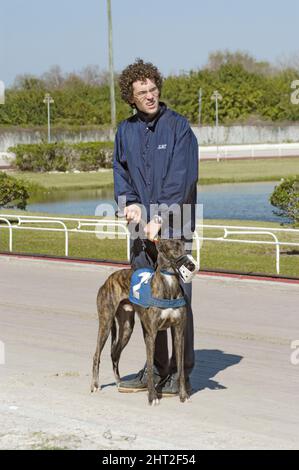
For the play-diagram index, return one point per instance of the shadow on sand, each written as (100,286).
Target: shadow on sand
(208,363)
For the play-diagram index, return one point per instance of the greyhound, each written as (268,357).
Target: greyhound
(114,307)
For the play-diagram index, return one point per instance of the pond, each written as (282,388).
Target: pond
(247,201)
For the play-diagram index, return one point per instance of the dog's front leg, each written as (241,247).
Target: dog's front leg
(150,339)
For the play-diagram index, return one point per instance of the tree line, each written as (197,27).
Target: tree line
(252,92)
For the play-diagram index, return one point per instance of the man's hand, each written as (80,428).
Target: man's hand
(152,229)
(133,213)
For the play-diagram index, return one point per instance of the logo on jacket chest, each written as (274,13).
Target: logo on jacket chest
(162,146)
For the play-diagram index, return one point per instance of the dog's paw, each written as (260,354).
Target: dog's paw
(155,402)
(95,388)
(185,399)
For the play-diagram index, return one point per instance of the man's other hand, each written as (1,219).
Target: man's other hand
(151,230)
(133,213)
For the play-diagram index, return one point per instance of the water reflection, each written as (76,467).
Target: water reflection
(247,201)
(72,195)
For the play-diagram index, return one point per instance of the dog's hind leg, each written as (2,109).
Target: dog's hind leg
(104,330)
(125,319)
(114,343)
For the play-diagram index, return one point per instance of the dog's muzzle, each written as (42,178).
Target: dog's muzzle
(186,267)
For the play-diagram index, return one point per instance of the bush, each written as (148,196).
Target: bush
(13,192)
(94,155)
(286,198)
(63,157)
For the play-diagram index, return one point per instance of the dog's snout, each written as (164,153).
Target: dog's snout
(190,266)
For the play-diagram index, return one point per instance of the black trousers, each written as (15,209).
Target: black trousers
(144,254)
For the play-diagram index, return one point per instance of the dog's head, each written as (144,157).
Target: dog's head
(169,250)
(172,255)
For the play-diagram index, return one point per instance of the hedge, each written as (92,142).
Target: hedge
(61,156)
(13,192)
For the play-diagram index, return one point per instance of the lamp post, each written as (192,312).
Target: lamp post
(111,72)
(48,100)
(216,96)
(199,106)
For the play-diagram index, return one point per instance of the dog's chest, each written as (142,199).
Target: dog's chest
(170,281)
(170,314)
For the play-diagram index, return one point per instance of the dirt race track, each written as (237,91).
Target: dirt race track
(245,386)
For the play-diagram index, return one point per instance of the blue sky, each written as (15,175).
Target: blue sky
(174,34)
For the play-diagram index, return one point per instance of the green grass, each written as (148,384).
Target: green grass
(68,181)
(211,172)
(236,171)
(214,255)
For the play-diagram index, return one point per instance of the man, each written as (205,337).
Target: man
(155,166)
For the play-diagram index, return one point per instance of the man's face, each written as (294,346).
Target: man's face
(146,96)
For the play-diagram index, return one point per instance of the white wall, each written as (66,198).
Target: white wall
(206,135)
(247,134)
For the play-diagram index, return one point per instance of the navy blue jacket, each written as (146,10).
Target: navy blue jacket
(156,162)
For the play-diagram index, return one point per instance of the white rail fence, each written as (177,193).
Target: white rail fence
(249,150)
(112,228)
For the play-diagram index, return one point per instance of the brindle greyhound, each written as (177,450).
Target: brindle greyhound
(115,308)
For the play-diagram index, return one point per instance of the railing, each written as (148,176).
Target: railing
(249,150)
(244,230)
(112,227)
(10,231)
(97,223)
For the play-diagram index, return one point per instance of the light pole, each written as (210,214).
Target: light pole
(48,100)
(112,91)
(216,96)
(199,106)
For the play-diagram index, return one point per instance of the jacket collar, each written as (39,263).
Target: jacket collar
(151,124)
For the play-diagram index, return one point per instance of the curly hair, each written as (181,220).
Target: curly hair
(139,70)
